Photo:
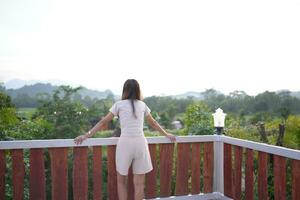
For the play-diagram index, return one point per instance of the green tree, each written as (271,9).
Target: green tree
(198,119)
(284,113)
(213,98)
(8,116)
(23,100)
(168,104)
(88,101)
(69,118)
(267,102)
(165,120)
(2,87)
(98,110)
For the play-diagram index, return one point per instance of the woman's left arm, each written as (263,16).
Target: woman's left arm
(99,126)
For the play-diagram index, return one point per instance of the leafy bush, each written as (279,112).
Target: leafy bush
(31,130)
(292,132)
(198,119)
(8,116)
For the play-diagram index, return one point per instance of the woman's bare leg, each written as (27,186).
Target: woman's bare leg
(139,184)
(122,186)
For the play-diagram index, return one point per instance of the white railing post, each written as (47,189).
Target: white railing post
(218,181)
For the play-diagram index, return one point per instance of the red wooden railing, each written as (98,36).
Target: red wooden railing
(205,166)
(163,154)
(233,168)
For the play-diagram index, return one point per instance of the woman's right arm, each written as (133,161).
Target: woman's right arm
(99,126)
(155,125)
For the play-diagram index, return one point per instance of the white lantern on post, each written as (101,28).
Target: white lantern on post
(219,120)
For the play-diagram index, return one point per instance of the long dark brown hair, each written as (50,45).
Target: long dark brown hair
(131,91)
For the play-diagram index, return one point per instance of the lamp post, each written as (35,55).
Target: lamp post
(219,120)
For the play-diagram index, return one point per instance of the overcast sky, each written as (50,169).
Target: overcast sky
(170,47)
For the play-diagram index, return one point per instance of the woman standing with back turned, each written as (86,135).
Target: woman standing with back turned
(132,146)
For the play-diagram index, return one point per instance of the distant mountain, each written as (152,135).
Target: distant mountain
(291,93)
(197,95)
(200,96)
(33,87)
(18,83)
(95,93)
(296,94)
(33,90)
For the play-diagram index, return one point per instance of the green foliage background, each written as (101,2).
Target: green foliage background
(65,114)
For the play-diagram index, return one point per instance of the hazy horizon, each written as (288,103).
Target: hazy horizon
(12,85)
(169,46)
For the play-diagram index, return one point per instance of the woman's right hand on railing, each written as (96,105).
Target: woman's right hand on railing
(80,139)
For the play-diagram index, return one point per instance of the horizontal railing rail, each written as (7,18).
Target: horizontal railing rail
(267,148)
(52,143)
(29,144)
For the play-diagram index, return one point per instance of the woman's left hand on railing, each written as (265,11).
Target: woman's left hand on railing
(80,139)
(171,137)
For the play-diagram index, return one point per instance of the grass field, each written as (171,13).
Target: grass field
(26,112)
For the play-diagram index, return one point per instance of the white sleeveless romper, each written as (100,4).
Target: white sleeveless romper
(132,147)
